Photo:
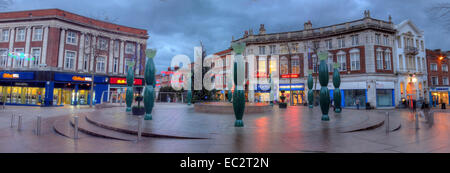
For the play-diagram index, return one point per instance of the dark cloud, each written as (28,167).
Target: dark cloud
(176,26)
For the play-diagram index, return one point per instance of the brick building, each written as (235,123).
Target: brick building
(438,63)
(53,55)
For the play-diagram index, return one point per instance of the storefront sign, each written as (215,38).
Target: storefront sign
(83,79)
(290,75)
(123,81)
(262,88)
(79,78)
(16,75)
(20,84)
(440,89)
(293,87)
(384,85)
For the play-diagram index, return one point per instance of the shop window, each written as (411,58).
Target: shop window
(272,65)
(384,97)
(351,97)
(402,88)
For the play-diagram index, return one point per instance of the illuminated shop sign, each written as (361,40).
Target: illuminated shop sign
(83,79)
(290,75)
(79,78)
(293,87)
(123,81)
(263,88)
(16,75)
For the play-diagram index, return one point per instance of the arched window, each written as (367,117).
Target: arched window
(284,65)
(262,65)
(295,65)
(330,62)
(379,56)
(387,59)
(342,61)
(273,65)
(355,59)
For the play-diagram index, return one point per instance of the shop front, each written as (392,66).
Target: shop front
(262,93)
(74,89)
(385,94)
(298,93)
(439,95)
(21,88)
(118,88)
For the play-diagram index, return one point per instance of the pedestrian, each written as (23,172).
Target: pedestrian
(357,104)
(414,105)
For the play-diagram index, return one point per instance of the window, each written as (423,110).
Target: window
(5,35)
(399,42)
(18,62)
(85,62)
(379,56)
(295,65)
(400,61)
(69,62)
(386,40)
(330,62)
(445,80)
(100,66)
(329,44)
(262,50)
(421,45)
(71,37)
(355,60)
(355,40)
(20,34)
(387,59)
(433,67)
(37,34)
(36,55)
(315,66)
(3,57)
(272,49)
(444,67)
(129,48)
(434,80)
(284,65)
(103,44)
(295,47)
(116,47)
(316,44)
(284,49)
(272,65)
(377,39)
(116,65)
(341,42)
(127,63)
(342,61)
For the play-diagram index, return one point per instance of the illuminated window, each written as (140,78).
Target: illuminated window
(295,65)
(262,65)
(284,65)
(272,65)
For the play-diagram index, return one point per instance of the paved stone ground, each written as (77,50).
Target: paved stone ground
(296,129)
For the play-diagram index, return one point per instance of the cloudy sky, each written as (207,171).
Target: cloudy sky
(176,26)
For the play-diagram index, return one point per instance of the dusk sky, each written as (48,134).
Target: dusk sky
(176,26)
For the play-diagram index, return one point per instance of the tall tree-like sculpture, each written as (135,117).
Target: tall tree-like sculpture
(271,89)
(189,92)
(337,91)
(129,93)
(239,95)
(324,92)
(230,93)
(310,90)
(150,83)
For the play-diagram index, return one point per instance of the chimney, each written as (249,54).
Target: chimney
(262,30)
(390,19)
(245,33)
(251,32)
(307,25)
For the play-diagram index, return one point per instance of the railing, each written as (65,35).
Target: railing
(411,50)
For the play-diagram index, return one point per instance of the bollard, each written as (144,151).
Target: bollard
(417,120)
(12,120)
(38,125)
(19,124)
(387,124)
(139,128)
(75,132)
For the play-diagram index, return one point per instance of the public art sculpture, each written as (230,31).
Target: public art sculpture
(324,92)
(129,92)
(310,90)
(189,92)
(230,93)
(239,95)
(150,83)
(337,91)
(271,89)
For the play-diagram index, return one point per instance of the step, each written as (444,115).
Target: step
(91,129)
(373,122)
(63,127)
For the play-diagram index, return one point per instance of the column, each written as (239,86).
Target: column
(81,52)
(121,62)
(11,44)
(404,62)
(138,59)
(417,67)
(27,46)
(111,57)
(62,41)
(93,46)
(44,46)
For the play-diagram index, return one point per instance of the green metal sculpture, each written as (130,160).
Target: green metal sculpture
(129,93)
(310,90)
(230,93)
(150,83)
(189,92)
(271,89)
(324,92)
(337,91)
(239,95)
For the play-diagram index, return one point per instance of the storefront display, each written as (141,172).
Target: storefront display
(440,95)
(117,88)
(351,97)
(385,97)
(297,90)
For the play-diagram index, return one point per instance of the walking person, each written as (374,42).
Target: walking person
(414,105)
(357,104)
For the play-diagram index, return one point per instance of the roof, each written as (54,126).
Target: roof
(226,51)
(410,23)
(70,17)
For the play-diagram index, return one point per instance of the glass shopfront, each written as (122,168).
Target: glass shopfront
(440,97)
(118,88)
(385,97)
(22,95)
(297,91)
(352,95)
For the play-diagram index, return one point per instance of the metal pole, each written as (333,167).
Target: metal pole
(417,120)
(387,124)
(38,125)
(19,125)
(12,120)
(139,128)
(75,132)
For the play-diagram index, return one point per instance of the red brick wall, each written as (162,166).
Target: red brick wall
(433,57)
(53,46)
